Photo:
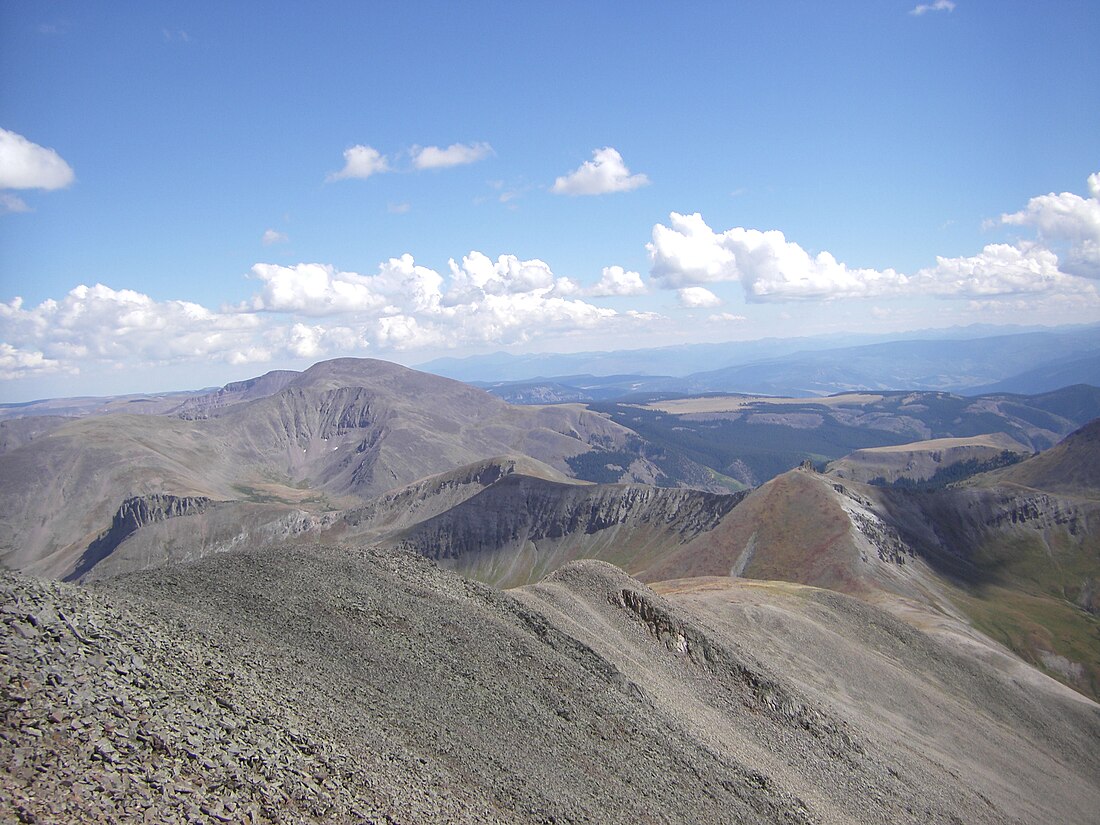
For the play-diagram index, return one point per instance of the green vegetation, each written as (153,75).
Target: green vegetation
(1034,625)
(601,466)
(952,473)
(764,450)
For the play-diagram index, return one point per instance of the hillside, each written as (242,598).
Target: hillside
(936,462)
(520,528)
(321,684)
(753,438)
(1071,467)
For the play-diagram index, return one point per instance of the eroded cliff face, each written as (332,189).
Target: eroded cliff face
(133,514)
(520,528)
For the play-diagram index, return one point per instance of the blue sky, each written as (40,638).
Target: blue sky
(192,193)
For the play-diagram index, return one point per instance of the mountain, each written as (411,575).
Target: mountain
(946,365)
(1049,376)
(321,684)
(1072,467)
(969,361)
(133,404)
(326,439)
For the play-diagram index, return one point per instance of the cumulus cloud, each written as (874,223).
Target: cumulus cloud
(273,236)
(616,281)
(97,323)
(605,173)
(320,289)
(361,162)
(688,253)
(457,154)
(480,275)
(17,363)
(407,306)
(311,289)
(695,297)
(1070,221)
(938,5)
(26,165)
(999,269)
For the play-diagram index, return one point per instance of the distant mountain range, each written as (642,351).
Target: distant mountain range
(1025,362)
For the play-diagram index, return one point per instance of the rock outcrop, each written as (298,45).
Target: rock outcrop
(133,514)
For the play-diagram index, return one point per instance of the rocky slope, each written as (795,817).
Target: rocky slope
(318,684)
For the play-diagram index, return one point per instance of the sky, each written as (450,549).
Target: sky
(194,193)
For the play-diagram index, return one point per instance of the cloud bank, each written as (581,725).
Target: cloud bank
(688,253)
(313,310)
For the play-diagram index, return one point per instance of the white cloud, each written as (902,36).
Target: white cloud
(689,253)
(361,162)
(507,275)
(16,363)
(273,236)
(312,289)
(457,154)
(999,269)
(1067,220)
(26,165)
(398,208)
(616,281)
(695,297)
(406,306)
(938,5)
(726,318)
(319,289)
(100,324)
(605,173)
